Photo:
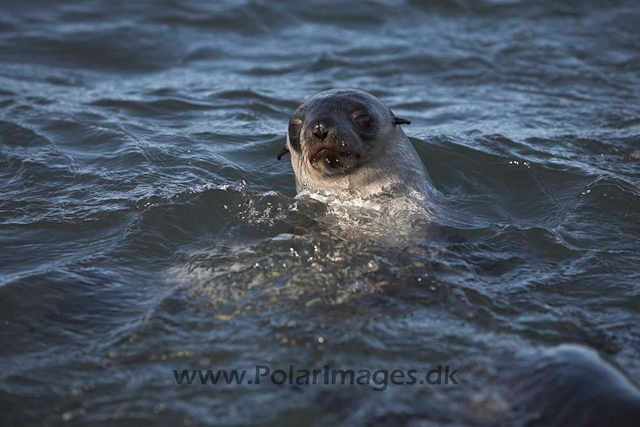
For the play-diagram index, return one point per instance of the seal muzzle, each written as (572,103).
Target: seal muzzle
(329,161)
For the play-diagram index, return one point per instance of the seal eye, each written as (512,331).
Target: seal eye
(363,121)
(294,130)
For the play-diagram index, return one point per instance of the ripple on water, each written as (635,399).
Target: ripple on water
(146,225)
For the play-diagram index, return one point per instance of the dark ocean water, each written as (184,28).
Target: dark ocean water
(146,226)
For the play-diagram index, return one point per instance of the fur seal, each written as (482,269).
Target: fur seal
(348,141)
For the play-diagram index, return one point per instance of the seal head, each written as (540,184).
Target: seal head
(348,139)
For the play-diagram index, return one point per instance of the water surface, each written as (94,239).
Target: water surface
(146,225)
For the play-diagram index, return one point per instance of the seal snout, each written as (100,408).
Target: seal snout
(330,161)
(327,151)
(320,130)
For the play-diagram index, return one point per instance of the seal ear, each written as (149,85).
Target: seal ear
(282,152)
(400,121)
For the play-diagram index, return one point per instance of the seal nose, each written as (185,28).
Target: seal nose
(321,130)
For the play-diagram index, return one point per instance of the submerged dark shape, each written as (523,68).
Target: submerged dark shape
(571,385)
